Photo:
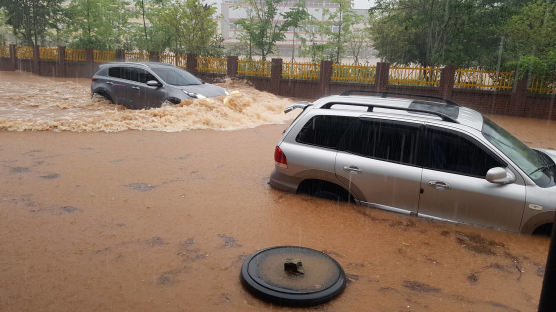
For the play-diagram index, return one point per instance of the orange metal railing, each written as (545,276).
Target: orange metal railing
(302,71)
(353,73)
(212,64)
(253,68)
(414,75)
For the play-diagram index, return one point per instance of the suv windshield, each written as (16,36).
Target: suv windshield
(539,167)
(176,76)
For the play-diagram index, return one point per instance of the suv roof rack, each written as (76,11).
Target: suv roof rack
(442,114)
(386,93)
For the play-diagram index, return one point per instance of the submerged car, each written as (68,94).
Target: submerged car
(149,84)
(430,158)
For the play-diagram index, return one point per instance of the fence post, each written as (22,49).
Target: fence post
(13,56)
(446,85)
(120,55)
(89,59)
(275,75)
(325,77)
(35,67)
(192,63)
(61,62)
(381,76)
(153,56)
(518,98)
(231,66)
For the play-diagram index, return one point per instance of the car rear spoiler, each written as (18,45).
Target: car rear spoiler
(303,105)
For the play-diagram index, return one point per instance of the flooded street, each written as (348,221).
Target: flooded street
(163,220)
(29,102)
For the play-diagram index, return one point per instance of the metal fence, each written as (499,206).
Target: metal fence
(24,52)
(353,73)
(483,79)
(414,76)
(136,56)
(212,65)
(5,51)
(541,86)
(253,68)
(301,71)
(46,53)
(104,56)
(76,55)
(176,60)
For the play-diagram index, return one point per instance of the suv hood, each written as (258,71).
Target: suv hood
(206,89)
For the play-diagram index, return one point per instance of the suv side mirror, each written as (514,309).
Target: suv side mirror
(153,83)
(500,175)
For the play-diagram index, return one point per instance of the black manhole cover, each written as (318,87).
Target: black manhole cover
(295,276)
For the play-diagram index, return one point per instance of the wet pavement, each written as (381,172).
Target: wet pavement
(158,221)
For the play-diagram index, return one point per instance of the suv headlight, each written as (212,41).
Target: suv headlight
(226,92)
(194,95)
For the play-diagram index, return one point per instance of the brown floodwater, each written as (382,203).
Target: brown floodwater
(162,221)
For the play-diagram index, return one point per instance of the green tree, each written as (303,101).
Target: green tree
(337,26)
(294,19)
(311,40)
(188,26)
(437,32)
(99,24)
(262,27)
(32,19)
(357,40)
(531,37)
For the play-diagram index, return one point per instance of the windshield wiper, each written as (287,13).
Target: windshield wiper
(543,168)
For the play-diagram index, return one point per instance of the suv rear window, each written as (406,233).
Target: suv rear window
(131,73)
(325,131)
(384,140)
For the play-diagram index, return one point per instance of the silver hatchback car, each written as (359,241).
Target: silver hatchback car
(147,85)
(429,158)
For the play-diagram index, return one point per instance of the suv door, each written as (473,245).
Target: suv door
(380,158)
(313,152)
(454,185)
(118,85)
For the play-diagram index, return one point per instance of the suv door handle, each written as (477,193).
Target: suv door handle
(109,83)
(136,88)
(439,185)
(352,169)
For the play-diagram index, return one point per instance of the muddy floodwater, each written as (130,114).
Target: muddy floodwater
(162,220)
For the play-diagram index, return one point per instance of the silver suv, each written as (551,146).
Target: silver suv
(146,85)
(430,158)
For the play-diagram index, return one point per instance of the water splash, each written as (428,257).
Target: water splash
(36,103)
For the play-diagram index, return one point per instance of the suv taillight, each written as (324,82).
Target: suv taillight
(280,158)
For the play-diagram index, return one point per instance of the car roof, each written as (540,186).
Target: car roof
(448,113)
(144,64)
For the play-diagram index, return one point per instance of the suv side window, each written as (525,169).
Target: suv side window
(455,153)
(115,72)
(325,131)
(385,140)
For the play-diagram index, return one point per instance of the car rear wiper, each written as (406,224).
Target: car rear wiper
(543,168)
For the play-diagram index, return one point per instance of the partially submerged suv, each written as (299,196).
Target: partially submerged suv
(430,158)
(146,85)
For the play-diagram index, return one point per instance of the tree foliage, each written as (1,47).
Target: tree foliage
(188,26)
(262,27)
(438,32)
(99,24)
(294,19)
(531,37)
(31,19)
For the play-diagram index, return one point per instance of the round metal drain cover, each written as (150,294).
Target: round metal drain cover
(295,276)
